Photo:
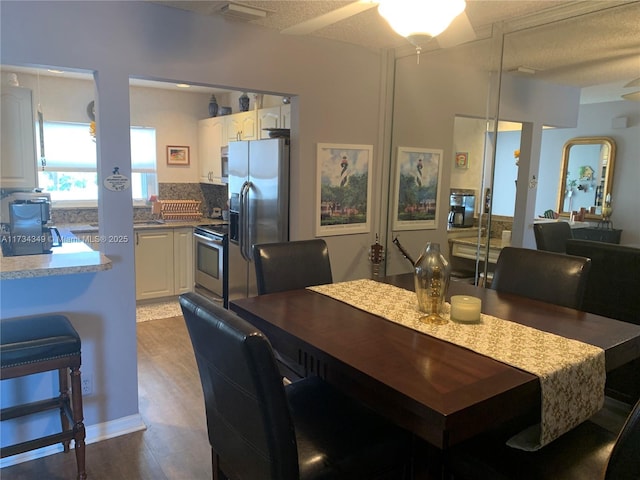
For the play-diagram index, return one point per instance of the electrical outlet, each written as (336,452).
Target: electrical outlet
(87,383)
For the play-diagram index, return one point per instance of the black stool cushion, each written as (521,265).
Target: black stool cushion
(36,339)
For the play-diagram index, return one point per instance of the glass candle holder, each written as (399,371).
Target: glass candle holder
(465,309)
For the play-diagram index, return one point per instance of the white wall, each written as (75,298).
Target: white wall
(337,89)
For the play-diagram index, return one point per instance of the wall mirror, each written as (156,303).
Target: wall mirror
(586,175)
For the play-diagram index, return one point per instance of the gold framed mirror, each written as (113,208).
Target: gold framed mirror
(586,175)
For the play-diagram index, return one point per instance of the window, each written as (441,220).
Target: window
(70,174)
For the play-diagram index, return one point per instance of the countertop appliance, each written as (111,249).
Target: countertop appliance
(26,224)
(211,261)
(462,203)
(258,206)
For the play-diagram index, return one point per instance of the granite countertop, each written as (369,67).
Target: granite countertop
(473,241)
(73,256)
(147,224)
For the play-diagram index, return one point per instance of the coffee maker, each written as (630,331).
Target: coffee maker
(462,203)
(26,224)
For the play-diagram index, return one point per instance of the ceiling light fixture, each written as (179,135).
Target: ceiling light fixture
(417,18)
(183,85)
(633,96)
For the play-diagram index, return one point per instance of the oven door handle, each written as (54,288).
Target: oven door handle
(208,239)
(244,221)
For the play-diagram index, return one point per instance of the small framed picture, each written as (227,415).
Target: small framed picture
(462,159)
(177,155)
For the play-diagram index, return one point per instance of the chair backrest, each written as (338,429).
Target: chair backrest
(614,280)
(291,265)
(548,276)
(624,461)
(553,236)
(248,418)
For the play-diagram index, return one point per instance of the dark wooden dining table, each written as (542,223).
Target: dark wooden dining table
(441,392)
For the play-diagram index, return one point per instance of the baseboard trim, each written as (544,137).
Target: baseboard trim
(94,434)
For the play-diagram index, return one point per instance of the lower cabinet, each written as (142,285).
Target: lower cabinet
(164,262)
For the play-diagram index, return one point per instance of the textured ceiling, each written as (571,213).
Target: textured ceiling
(584,49)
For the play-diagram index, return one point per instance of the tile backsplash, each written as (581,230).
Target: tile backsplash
(210,195)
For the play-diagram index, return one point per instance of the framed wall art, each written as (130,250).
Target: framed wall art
(462,159)
(417,184)
(343,189)
(177,155)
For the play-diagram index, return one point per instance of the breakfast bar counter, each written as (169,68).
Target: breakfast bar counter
(72,257)
(466,247)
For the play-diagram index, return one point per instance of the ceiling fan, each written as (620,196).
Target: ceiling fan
(635,96)
(457,32)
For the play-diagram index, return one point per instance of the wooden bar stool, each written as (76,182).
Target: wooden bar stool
(39,344)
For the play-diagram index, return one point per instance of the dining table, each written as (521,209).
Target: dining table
(442,392)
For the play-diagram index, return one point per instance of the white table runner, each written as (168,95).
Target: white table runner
(572,373)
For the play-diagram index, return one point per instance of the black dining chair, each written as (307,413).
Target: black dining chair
(260,429)
(588,452)
(552,236)
(291,265)
(548,276)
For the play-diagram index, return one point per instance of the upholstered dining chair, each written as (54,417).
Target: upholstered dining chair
(552,236)
(548,276)
(588,452)
(291,265)
(260,429)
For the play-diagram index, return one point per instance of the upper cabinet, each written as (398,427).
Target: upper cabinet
(212,135)
(18,154)
(285,116)
(273,117)
(242,126)
(216,132)
(268,118)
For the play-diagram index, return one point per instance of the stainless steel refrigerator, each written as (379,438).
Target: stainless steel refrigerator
(258,206)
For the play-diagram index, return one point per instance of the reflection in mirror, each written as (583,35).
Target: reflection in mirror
(586,175)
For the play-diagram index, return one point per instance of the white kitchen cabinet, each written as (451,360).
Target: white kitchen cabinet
(18,154)
(285,116)
(164,262)
(268,118)
(212,135)
(242,126)
(273,117)
(183,260)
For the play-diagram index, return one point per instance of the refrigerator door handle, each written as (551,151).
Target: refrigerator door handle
(244,220)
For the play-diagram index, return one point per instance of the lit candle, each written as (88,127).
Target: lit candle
(465,309)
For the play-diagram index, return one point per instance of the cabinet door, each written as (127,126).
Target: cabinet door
(268,118)
(183,260)
(154,263)
(18,154)
(211,135)
(242,126)
(285,116)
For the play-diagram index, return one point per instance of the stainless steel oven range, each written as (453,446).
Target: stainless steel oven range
(211,261)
